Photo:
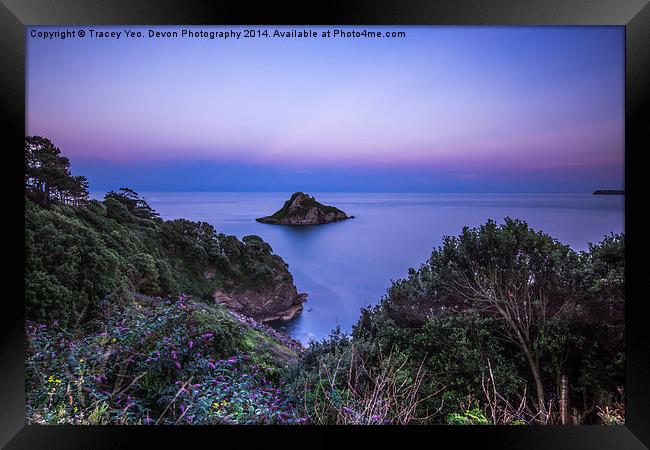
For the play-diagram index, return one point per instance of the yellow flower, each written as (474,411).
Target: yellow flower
(114,340)
(51,379)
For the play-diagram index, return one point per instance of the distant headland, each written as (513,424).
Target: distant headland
(609,192)
(303,209)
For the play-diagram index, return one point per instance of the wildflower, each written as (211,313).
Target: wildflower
(191,344)
(51,379)
(176,363)
(207,335)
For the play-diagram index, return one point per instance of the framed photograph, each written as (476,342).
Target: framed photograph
(382,218)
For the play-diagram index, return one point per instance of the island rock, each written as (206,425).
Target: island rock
(303,209)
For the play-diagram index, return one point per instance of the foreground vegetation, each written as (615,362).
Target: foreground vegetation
(156,361)
(502,325)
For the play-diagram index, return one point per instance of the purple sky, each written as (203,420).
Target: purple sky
(487,108)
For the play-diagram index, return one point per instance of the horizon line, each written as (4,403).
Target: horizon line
(354,192)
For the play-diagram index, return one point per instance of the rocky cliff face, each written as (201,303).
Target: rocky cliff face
(252,280)
(279,302)
(303,209)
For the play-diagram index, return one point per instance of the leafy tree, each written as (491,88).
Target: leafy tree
(517,275)
(47,174)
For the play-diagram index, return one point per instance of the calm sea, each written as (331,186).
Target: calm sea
(347,265)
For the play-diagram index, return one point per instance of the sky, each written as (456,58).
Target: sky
(443,109)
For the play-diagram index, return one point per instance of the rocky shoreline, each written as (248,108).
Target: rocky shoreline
(280,302)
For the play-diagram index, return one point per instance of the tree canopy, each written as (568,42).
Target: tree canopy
(47,174)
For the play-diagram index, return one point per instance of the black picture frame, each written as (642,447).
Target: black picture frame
(15,15)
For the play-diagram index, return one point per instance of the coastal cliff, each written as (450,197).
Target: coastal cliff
(279,302)
(254,281)
(303,209)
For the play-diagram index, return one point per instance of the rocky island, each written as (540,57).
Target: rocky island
(609,192)
(303,209)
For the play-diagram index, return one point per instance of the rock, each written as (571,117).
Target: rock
(609,192)
(303,209)
(279,302)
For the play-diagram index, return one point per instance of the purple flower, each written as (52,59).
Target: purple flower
(191,344)
(174,354)
(210,365)
(176,363)
(147,421)
(207,335)
(347,410)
